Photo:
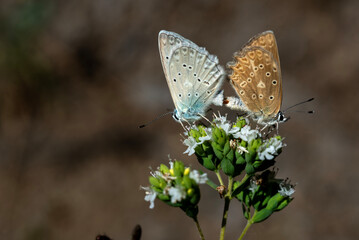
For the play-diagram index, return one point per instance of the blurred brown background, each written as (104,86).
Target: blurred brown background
(77,78)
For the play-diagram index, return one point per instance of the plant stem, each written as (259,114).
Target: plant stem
(219,177)
(249,223)
(212,184)
(224,218)
(199,229)
(227,200)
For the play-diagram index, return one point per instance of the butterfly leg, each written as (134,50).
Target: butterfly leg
(183,126)
(205,118)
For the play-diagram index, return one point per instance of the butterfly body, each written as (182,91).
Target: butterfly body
(256,78)
(193,75)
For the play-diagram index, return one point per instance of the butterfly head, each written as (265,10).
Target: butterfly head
(176,116)
(281,118)
(268,120)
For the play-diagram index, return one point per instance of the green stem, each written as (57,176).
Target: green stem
(227,200)
(224,218)
(219,178)
(230,186)
(212,184)
(199,229)
(249,223)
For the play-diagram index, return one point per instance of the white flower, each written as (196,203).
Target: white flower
(234,130)
(150,196)
(177,193)
(286,189)
(269,148)
(220,119)
(252,185)
(199,178)
(221,122)
(241,149)
(191,143)
(247,134)
(207,137)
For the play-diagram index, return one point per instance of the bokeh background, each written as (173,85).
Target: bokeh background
(77,78)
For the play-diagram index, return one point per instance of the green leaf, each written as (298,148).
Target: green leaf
(274,202)
(226,148)
(163,197)
(154,181)
(283,204)
(186,182)
(249,169)
(239,158)
(208,163)
(261,215)
(227,167)
(164,168)
(230,155)
(239,188)
(217,150)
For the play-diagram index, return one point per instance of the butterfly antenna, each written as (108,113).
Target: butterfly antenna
(309,100)
(148,123)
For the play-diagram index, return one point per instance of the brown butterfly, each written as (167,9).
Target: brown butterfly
(256,78)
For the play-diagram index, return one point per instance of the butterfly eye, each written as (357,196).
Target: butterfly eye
(274,82)
(255,68)
(249,79)
(180,95)
(267,74)
(251,74)
(254,96)
(184,65)
(175,80)
(260,96)
(198,79)
(195,74)
(208,92)
(274,69)
(179,74)
(196,94)
(190,67)
(271,97)
(261,66)
(241,92)
(166,57)
(189,94)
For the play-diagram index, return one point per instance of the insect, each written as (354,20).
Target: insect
(193,75)
(256,78)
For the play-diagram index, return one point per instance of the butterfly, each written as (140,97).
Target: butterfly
(256,78)
(193,75)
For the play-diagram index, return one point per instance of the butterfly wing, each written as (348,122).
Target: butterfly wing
(267,41)
(193,75)
(257,80)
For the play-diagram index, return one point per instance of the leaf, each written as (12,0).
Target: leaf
(261,215)
(227,167)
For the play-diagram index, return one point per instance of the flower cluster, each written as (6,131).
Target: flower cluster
(177,186)
(263,193)
(232,147)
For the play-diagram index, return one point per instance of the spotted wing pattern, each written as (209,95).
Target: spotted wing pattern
(256,76)
(193,75)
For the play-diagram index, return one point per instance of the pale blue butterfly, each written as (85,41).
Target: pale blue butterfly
(193,75)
